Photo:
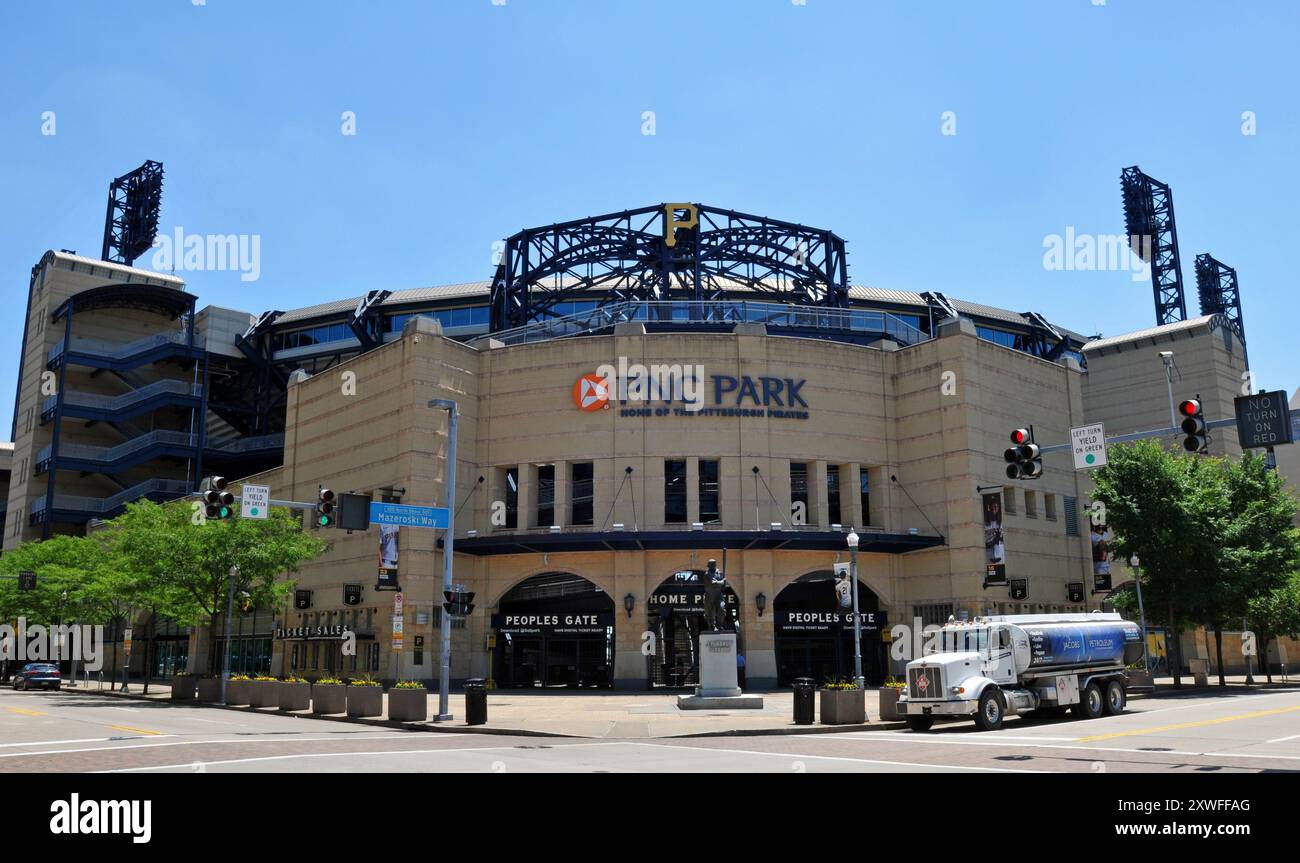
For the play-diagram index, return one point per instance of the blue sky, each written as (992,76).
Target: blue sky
(475,120)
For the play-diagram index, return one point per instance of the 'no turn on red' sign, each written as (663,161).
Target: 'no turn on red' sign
(1089,446)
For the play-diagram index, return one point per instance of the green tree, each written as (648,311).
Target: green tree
(192,562)
(1259,545)
(1158,506)
(1213,534)
(71,572)
(1273,615)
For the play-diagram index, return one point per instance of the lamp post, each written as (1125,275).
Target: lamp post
(1167,357)
(852,540)
(1142,614)
(444,669)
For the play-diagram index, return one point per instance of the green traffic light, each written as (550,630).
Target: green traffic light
(324,521)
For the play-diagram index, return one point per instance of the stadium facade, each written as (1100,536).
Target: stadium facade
(619,427)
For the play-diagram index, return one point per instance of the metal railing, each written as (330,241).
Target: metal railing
(78,503)
(781,315)
(124,400)
(117,350)
(106,455)
(245,444)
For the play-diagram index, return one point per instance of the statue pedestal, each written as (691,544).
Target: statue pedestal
(718,681)
(718,665)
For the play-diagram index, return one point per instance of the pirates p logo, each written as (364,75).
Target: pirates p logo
(591,393)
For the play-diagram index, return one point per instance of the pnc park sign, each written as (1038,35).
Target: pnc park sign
(658,390)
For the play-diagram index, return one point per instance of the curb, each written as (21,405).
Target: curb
(332,717)
(435,728)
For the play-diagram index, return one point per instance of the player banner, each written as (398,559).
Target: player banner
(995,550)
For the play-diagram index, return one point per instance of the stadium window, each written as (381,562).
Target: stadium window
(1009,501)
(1071,516)
(864,490)
(799,484)
(581,482)
(833,493)
(1031,504)
(674,491)
(1049,506)
(708,489)
(512,498)
(545,495)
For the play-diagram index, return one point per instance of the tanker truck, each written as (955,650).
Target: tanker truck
(1008,665)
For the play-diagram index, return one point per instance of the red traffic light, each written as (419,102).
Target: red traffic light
(1189,408)
(1020,436)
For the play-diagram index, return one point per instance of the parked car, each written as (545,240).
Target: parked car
(43,674)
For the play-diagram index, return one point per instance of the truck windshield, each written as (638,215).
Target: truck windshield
(966,638)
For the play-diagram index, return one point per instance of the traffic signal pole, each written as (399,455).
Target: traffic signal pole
(1125,438)
(444,669)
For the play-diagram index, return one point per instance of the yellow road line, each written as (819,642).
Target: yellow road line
(135,730)
(1198,724)
(23,711)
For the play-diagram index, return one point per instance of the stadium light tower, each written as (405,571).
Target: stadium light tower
(1149,222)
(134,202)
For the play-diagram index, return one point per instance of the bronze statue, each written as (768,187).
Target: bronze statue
(716,618)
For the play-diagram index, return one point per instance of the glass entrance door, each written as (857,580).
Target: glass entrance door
(561,662)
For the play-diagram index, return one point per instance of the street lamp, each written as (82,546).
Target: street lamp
(1167,357)
(1142,614)
(444,670)
(852,540)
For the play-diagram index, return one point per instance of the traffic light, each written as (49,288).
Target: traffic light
(1197,439)
(458,603)
(324,508)
(218,504)
(1024,459)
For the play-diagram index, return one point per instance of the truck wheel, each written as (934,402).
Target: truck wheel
(1091,703)
(991,710)
(919,723)
(1114,698)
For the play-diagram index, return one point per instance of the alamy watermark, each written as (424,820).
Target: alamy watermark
(40,643)
(1071,251)
(178,252)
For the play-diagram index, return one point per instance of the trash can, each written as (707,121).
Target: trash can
(805,700)
(475,702)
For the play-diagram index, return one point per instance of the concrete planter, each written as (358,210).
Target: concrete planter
(237,691)
(408,705)
(889,704)
(365,701)
(209,689)
(295,696)
(264,693)
(843,706)
(183,688)
(329,698)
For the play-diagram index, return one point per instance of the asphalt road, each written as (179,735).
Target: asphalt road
(1242,731)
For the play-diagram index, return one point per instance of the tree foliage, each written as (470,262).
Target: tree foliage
(1215,536)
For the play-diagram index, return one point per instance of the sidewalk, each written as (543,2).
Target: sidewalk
(632,715)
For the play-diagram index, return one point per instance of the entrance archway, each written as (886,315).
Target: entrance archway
(554,629)
(814,632)
(675,614)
